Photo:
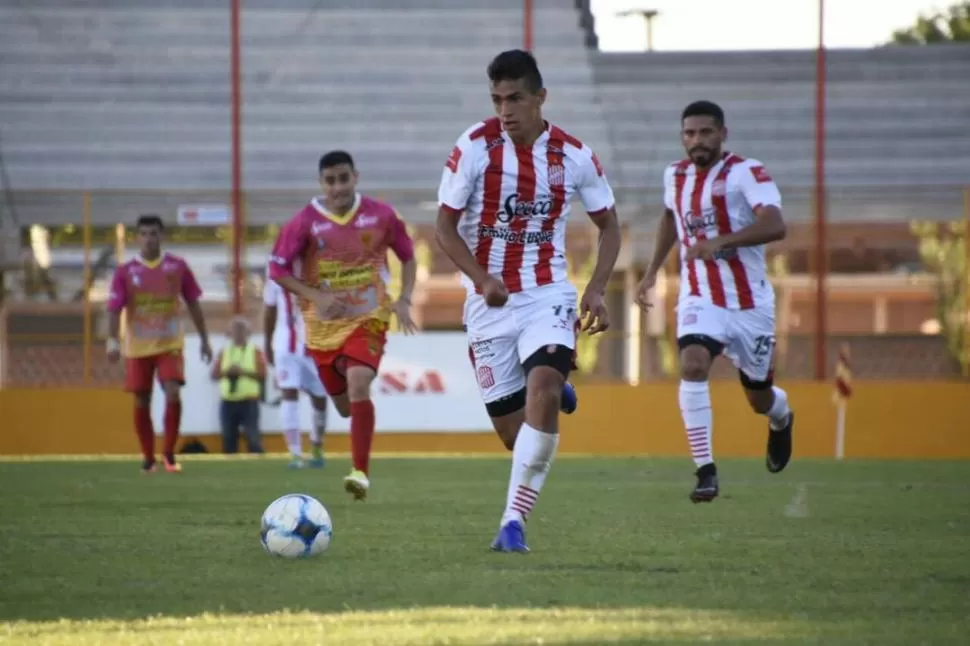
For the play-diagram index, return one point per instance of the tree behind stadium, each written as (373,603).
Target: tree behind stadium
(953,25)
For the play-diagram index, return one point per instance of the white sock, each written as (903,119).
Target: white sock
(531,459)
(319,425)
(695,408)
(290,416)
(779,411)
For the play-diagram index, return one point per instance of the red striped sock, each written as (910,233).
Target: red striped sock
(695,408)
(532,458)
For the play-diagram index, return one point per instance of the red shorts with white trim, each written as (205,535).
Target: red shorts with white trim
(140,372)
(364,346)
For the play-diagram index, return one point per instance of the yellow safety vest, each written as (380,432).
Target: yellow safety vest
(246,387)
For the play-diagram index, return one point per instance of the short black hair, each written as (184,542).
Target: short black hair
(335,158)
(704,109)
(513,65)
(150,220)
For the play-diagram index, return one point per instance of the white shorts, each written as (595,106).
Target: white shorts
(298,372)
(500,339)
(748,335)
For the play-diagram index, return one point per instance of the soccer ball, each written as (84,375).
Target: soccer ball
(296,526)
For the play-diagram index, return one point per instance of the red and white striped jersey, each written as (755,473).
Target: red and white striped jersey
(716,202)
(289,336)
(514,202)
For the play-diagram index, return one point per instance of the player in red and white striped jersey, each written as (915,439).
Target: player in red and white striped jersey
(504,201)
(285,350)
(724,209)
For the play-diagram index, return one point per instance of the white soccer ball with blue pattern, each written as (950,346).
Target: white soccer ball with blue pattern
(296,526)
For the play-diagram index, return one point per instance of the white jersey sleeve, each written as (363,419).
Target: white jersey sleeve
(595,191)
(670,198)
(460,175)
(756,185)
(271,293)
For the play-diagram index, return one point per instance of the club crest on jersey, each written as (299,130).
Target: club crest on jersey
(719,188)
(367,238)
(557,175)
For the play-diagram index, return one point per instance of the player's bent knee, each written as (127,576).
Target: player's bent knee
(143,400)
(696,356)
(555,356)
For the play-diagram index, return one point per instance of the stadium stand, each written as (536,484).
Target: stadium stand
(136,95)
(892,119)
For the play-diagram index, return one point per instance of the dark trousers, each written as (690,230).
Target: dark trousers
(236,416)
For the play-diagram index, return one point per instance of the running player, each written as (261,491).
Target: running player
(724,209)
(148,289)
(504,201)
(333,256)
(285,348)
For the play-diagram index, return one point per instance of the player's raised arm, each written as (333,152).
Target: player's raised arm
(458,180)
(117,302)
(598,200)
(764,198)
(191,293)
(270,296)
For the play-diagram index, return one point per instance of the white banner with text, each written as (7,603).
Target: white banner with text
(426,384)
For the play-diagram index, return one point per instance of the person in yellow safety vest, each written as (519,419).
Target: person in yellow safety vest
(240,370)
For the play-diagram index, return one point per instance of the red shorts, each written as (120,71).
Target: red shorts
(141,371)
(364,346)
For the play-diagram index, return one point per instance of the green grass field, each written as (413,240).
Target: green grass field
(94,553)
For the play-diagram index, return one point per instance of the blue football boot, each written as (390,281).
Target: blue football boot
(569,400)
(510,538)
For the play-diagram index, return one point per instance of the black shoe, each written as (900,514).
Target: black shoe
(779,446)
(706,489)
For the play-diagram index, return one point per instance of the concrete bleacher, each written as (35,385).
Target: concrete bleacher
(896,144)
(136,95)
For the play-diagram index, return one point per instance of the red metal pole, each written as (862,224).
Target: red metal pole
(527,25)
(821,248)
(238,217)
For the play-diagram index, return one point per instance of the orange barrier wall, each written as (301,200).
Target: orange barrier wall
(884,420)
